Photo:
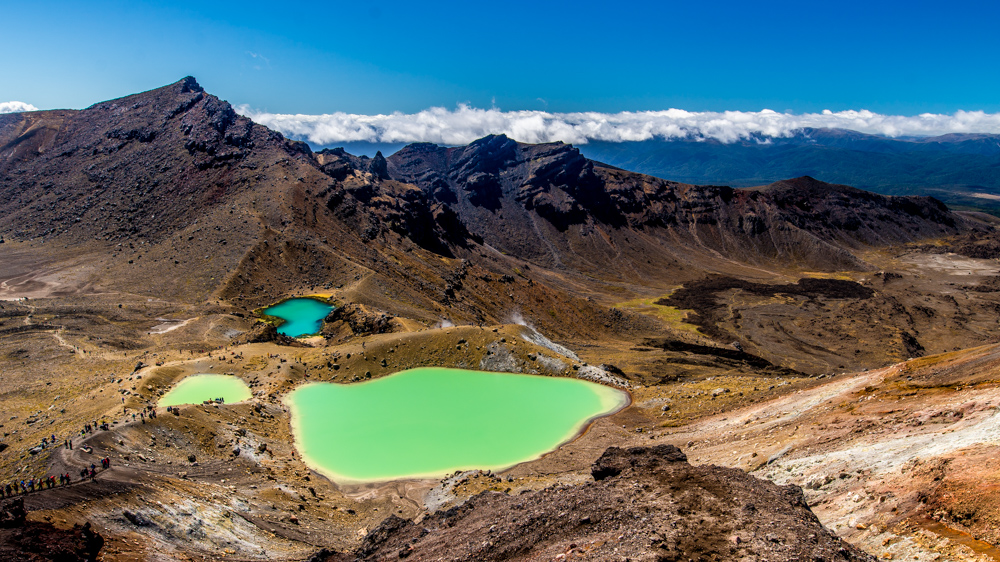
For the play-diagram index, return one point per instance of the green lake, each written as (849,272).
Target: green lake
(428,422)
(195,389)
(302,316)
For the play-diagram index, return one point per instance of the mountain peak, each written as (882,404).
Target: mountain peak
(189,84)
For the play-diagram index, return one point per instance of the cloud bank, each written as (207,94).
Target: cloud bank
(16,107)
(465,124)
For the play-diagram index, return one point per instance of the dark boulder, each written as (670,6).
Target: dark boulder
(615,460)
(29,541)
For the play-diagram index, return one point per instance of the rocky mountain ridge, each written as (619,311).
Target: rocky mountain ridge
(146,166)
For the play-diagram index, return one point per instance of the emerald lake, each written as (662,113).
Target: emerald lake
(428,422)
(301,316)
(195,389)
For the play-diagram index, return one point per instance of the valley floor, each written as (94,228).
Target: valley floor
(898,460)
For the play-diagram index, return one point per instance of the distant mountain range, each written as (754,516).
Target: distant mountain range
(963,170)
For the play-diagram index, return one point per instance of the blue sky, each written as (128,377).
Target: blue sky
(377,57)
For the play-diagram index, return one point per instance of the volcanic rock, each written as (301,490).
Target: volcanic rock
(360,319)
(644,504)
(29,541)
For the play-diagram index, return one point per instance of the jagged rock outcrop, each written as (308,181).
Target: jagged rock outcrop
(644,504)
(261,332)
(28,541)
(359,319)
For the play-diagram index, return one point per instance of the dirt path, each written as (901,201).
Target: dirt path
(170,325)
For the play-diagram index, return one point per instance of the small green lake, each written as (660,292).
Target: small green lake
(195,389)
(302,316)
(428,422)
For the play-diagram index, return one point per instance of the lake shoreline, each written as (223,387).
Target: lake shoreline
(611,400)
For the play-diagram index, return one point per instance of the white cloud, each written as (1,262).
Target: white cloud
(465,124)
(16,107)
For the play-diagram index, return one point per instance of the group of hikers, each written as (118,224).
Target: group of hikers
(51,442)
(32,484)
(37,484)
(141,414)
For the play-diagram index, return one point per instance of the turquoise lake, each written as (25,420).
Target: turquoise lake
(301,316)
(428,422)
(195,389)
